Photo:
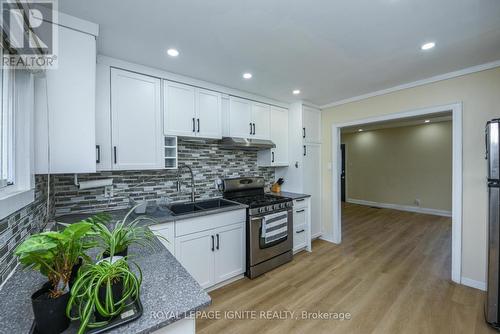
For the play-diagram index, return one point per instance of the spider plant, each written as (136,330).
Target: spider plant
(124,233)
(93,292)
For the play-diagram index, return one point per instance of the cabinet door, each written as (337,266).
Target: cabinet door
(103,119)
(229,252)
(240,118)
(208,114)
(311,125)
(166,235)
(71,99)
(279,135)
(194,252)
(300,228)
(136,121)
(179,113)
(312,185)
(261,118)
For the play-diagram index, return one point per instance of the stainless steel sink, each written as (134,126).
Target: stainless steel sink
(207,205)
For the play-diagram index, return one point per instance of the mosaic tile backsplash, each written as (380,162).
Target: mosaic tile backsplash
(208,160)
(16,227)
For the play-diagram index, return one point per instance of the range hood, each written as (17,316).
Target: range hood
(246,144)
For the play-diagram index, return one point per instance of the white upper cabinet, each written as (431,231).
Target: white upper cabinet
(311,125)
(249,119)
(208,114)
(137,139)
(277,156)
(191,111)
(68,126)
(179,112)
(240,118)
(261,119)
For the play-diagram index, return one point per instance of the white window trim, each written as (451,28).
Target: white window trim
(22,193)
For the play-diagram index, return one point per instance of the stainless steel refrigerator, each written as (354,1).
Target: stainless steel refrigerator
(493,157)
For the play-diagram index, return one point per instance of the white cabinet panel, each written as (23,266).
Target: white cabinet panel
(312,184)
(166,233)
(229,253)
(311,125)
(261,119)
(208,114)
(104,159)
(279,135)
(137,138)
(179,113)
(196,253)
(70,125)
(240,118)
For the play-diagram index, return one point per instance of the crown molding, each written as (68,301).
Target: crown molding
(441,77)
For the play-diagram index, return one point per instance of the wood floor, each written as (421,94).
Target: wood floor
(391,273)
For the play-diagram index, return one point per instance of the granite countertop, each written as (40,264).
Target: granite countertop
(168,293)
(293,196)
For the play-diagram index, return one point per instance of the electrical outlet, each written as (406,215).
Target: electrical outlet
(417,202)
(108,191)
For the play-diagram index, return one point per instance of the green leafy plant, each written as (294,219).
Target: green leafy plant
(55,253)
(124,233)
(88,297)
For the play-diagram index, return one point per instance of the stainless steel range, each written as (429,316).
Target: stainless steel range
(269,224)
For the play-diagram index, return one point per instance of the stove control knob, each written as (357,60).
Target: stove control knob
(289,204)
(283,205)
(262,210)
(269,208)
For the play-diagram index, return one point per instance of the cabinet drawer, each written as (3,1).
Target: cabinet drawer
(299,217)
(204,223)
(300,203)
(299,237)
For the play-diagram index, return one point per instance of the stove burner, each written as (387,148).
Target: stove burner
(261,200)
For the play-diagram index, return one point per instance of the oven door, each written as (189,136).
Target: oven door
(260,250)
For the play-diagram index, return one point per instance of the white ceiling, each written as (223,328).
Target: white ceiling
(330,50)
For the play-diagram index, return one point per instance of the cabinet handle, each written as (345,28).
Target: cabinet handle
(198,125)
(98,159)
(217,241)
(212,243)
(299,211)
(114,154)
(300,200)
(194,124)
(300,231)
(272,153)
(303,132)
(305,150)
(253,128)
(250,128)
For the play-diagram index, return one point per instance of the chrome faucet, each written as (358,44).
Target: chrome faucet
(193,190)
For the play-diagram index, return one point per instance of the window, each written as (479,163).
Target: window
(7,135)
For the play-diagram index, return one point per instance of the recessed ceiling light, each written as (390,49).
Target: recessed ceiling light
(247,75)
(428,46)
(296,92)
(427,121)
(172,52)
(360,130)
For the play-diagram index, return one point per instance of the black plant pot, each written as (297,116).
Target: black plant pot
(117,291)
(74,272)
(122,253)
(50,313)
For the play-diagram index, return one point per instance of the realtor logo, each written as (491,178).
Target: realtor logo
(29,34)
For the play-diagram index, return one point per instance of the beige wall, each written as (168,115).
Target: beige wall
(400,165)
(480,94)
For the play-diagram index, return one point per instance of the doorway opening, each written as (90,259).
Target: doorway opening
(455,110)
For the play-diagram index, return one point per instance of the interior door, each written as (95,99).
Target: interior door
(312,184)
(342,173)
(229,252)
(279,135)
(261,119)
(136,121)
(208,114)
(179,109)
(240,118)
(196,253)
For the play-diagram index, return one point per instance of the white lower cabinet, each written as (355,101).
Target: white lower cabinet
(211,248)
(301,225)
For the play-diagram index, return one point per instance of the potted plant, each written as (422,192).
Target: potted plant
(54,254)
(103,290)
(115,241)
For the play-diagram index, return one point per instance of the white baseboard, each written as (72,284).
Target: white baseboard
(409,208)
(316,236)
(226,282)
(473,283)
